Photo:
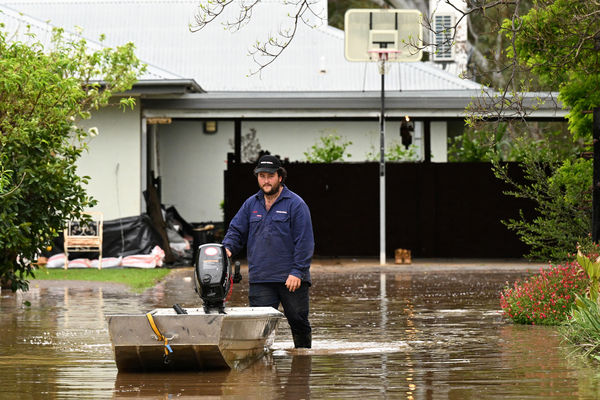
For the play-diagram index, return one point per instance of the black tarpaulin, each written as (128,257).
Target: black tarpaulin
(121,237)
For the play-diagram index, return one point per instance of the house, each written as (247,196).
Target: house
(199,99)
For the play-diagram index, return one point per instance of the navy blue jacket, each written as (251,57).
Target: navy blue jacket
(280,242)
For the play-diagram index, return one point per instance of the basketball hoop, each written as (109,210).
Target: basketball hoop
(383,36)
(399,33)
(382,56)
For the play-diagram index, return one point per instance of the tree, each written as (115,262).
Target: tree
(44,93)
(559,41)
(561,191)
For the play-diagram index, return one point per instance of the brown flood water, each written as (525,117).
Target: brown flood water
(389,334)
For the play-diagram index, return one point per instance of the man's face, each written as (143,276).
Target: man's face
(269,182)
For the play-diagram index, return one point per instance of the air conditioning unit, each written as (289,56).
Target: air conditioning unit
(442,43)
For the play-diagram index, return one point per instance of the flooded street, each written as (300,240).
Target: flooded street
(377,334)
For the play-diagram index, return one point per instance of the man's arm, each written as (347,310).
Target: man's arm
(304,243)
(237,233)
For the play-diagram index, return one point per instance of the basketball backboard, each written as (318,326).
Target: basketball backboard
(370,32)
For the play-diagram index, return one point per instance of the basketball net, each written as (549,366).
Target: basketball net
(383,56)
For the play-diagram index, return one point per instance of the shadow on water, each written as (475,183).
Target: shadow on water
(409,335)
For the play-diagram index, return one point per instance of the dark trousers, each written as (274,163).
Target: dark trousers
(295,306)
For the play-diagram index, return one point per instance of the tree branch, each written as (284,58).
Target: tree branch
(263,53)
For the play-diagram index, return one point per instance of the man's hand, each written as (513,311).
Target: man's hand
(293,283)
(228,252)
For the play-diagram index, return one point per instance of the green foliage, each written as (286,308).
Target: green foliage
(558,41)
(328,149)
(471,146)
(583,329)
(588,248)
(581,94)
(44,92)
(5,177)
(592,269)
(396,152)
(562,193)
(481,145)
(546,298)
(512,141)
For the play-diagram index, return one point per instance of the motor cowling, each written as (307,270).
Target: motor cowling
(212,276)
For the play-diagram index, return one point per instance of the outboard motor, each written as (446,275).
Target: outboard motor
(213,278)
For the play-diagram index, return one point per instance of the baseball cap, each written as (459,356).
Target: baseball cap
(267,163)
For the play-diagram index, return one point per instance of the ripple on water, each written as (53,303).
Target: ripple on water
(328,347)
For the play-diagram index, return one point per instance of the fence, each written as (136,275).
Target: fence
(433,209)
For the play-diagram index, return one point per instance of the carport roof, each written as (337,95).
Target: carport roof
(347,104)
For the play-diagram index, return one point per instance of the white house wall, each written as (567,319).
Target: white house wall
(113,162)
(439,141)
(192,164)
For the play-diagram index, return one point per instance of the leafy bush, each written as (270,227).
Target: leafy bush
(45,93)
(512,141)
(395,153)
(328,149)
(477,145)
(562,193)
(546,298)
(588,248)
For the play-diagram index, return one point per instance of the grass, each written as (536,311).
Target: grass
(138,279)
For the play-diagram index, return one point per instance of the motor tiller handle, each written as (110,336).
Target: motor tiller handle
(237,276)
(178,309)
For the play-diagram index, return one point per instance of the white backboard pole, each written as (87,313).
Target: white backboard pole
(382,173)
(382,36)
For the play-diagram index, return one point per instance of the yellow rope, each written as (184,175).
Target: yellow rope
(159,335)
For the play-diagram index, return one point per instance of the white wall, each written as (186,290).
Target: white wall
(113,162)
(439,141)
(192,164)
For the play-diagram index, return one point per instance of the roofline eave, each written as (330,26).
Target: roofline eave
(280,105)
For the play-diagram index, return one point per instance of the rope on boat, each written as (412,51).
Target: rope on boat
(160,337)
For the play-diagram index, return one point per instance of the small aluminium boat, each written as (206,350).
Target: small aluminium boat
(194,341)
(210,337)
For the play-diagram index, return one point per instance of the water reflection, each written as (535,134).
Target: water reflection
(288,378)
(407,335)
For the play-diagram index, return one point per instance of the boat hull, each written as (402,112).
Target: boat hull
(198,341)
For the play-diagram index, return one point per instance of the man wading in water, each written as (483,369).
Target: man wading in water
(275,225)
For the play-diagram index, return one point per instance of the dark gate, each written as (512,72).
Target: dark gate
(433,209)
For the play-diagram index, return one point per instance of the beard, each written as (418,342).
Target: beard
(274,189)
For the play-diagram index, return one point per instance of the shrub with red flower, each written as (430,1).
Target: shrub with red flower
(545,298)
